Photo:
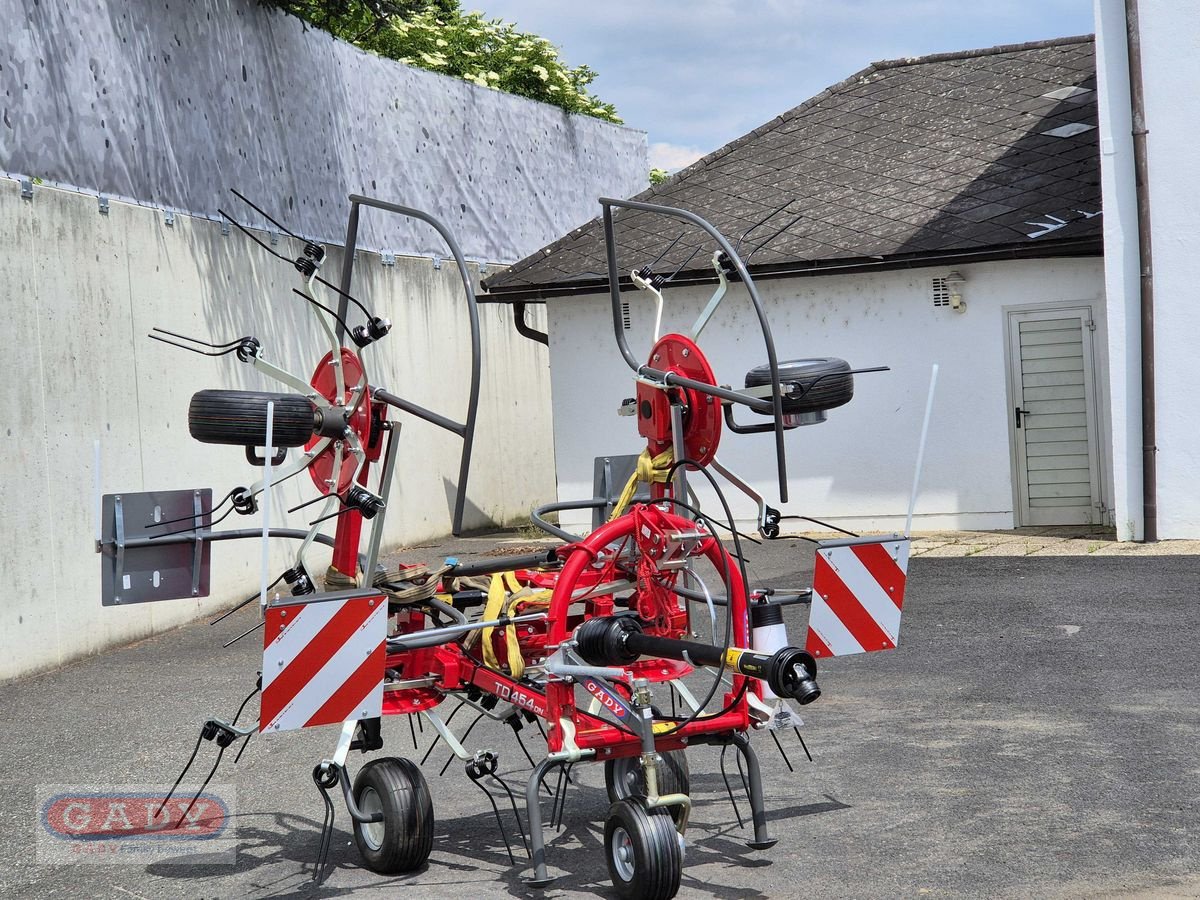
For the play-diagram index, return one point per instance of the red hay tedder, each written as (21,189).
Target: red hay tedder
(590,640)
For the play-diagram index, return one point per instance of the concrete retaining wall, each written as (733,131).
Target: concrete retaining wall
(83,290)
(174,103)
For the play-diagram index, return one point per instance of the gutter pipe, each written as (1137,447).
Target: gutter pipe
(1146,274)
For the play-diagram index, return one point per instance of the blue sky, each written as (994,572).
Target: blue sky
(695,74)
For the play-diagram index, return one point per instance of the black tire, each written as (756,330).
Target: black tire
(403,841)
(643,851)
(825,383)
(624,778)
(240,417)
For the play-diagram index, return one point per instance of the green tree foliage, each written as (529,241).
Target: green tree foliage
(437,35)
(658,176)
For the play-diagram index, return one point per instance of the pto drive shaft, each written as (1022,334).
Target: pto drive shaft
(621,640)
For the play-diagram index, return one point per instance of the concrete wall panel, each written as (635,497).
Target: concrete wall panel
(84,291)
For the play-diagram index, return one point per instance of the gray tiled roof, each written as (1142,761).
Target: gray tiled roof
(907,162)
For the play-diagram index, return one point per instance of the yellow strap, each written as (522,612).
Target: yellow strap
(498,603)
(649,470)
(492,610)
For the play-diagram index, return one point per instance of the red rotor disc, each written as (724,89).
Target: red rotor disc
(702,423)
(324,380)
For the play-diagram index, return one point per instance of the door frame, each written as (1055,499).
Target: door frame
(1095,417)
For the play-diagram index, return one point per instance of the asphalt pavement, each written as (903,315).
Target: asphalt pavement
(1035,735)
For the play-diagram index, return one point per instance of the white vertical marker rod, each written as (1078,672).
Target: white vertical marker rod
(96,482)
(268,452)
(912,501)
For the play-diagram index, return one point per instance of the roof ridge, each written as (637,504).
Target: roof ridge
(984,51)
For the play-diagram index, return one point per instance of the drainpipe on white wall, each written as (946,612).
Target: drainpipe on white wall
(1146,274)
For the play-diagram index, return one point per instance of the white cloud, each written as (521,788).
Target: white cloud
(672,157)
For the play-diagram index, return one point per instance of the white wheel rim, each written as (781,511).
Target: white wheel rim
(370,804)
(622,853)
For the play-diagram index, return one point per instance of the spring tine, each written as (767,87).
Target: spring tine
(559,787)
(772,237)
(187,766)
(321,306)
(729,790)
(224,516)
(248,631)
(412,728)
(782,753)
(670,247)
(243,749)
(211,773)
(193,515)
(474,775)
(737,757)
(183,337)
(679,268)
(326,831)
(248,233)
(292,234)
(802,744)
(155,337)
(263,213)
(250,599)
(763,221)
(316,499)
(521,743)
(513,800)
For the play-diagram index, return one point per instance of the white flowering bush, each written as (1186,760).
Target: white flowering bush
(439,37)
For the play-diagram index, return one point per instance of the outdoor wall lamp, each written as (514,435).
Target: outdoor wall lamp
(954,287)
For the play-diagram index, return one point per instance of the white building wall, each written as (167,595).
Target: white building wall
(82,292)
(856,469)
(1121,267)
(1170,40)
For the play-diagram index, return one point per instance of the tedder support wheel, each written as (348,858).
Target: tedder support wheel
(240,417)
(644,851)
(823,383)
(624,777)
(403,840)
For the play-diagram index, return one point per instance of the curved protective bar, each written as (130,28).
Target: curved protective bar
(614,289)
(468,428)
(536,516)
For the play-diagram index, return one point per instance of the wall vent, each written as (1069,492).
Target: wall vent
(626,320)
(941,292)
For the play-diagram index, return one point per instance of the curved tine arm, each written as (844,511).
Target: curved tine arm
(614,289)
(468,433)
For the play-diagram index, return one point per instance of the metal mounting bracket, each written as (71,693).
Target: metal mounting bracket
(134,568)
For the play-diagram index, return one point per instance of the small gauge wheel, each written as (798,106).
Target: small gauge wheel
(403,839)
(643,850)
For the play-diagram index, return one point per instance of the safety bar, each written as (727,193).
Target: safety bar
(536,516)
(467,430)
(614,288)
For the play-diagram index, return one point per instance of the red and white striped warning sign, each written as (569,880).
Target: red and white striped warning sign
(323,662)
(858,591)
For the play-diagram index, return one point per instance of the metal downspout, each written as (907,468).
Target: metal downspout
(1146,274)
